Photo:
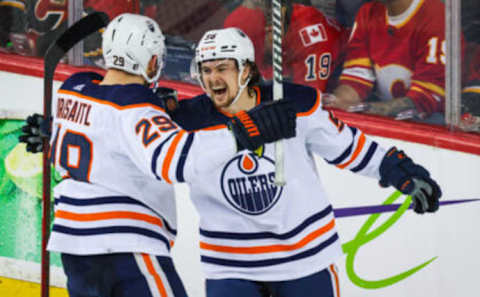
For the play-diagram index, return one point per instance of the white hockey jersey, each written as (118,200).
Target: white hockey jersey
(252,229)
(119,152)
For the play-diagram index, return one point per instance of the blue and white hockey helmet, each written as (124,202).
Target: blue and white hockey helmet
(130,41)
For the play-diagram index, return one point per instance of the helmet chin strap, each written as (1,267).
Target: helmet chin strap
(240,85)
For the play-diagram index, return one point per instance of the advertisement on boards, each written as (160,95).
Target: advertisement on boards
(20,205)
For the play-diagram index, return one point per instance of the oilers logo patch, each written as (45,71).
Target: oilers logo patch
(247,183)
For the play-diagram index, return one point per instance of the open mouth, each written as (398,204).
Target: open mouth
(219,91)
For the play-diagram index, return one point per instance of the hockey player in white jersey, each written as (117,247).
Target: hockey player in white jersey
(119,151)
(258,239)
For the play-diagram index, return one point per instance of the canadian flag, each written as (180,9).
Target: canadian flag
(313,34)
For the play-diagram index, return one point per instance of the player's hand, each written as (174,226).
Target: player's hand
(168,98)
(35,129)
(264,124)
(398,170)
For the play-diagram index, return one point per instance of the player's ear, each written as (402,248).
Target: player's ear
(247,72)
(152,66)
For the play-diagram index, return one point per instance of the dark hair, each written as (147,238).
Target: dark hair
(255,76)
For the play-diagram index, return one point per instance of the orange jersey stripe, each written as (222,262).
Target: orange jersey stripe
(356,79)
(335,276)
(104,102)
(259,99)
(169,157)
(471,89)
(270,248)
(419,5)
(13,4)
(158,280)
(109,215)
(429,86)
(361,143)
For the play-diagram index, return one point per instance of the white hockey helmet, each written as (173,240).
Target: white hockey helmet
(229,43)
(130,41)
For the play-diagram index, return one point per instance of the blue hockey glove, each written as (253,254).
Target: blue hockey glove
(35,129)
(398,170)
(264,124)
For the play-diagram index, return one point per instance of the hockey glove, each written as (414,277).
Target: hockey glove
(398,170)
(168,98)
(264,124)
(35,129)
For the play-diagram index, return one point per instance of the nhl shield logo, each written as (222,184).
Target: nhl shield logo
(247,183)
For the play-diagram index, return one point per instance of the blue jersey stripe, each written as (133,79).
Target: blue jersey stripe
(110,230)
(111,200)
(183,157)
(268,235)
(269,262)
(99,200)
(347,152)
(367,158)
(157,152)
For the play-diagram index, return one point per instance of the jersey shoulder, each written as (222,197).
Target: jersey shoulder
(371,11)
(86,84)
(306,98)
(431,17)
(196,113)
(75,81)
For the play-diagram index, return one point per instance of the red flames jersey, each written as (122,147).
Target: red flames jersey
(254,27)
(402,55)
(311,46)
(48,15)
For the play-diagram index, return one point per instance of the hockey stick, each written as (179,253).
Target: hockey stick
(277,83)
(55,52)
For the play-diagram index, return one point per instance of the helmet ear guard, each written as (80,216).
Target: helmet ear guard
(130,41)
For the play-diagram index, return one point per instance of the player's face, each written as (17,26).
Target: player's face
(220,78)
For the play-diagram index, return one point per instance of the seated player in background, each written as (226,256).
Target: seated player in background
(312,43)
(259,239)
(396,52)
(119,151)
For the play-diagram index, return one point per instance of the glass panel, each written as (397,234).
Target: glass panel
(394,61)
(471,67)
(28,27)
(395,68)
